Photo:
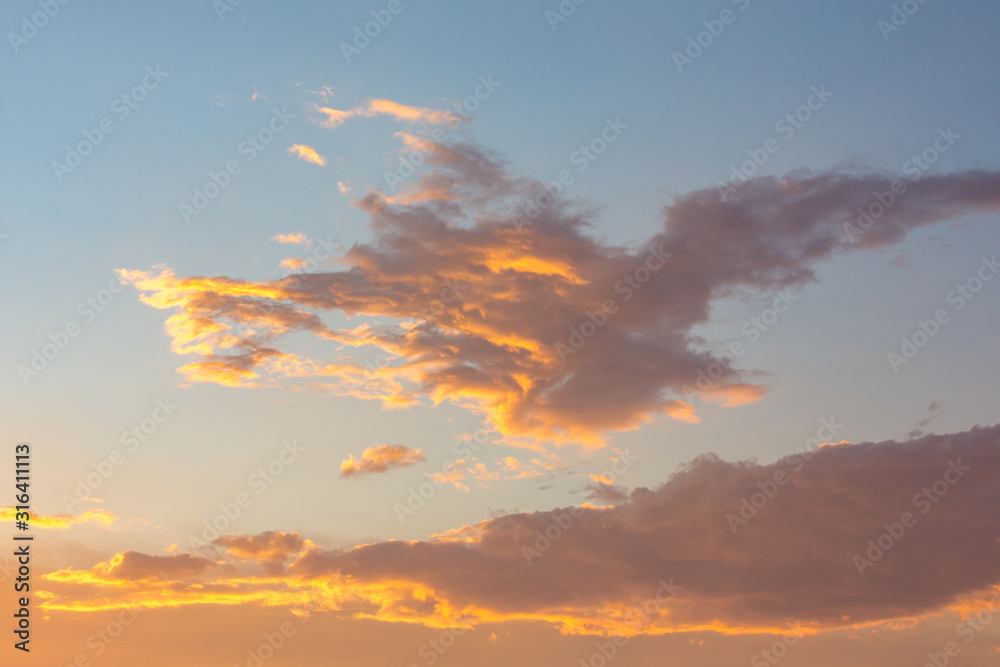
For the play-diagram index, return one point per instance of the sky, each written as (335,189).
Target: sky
(538,333)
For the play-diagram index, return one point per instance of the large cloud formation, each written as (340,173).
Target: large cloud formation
(486,289)
(927,505)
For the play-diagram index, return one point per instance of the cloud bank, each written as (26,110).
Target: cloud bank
(793,559)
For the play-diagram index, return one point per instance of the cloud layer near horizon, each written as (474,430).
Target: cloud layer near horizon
(529,319)
(792,561)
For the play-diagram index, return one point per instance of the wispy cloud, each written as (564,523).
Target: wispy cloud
(298,238)
(100,517)
(934,410)
(331,118)
(306,153)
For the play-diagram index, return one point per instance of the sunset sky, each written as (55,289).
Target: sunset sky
(529,333)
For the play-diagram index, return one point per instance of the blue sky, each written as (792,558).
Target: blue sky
(686,130)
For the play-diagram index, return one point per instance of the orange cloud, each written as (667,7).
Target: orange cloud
(101,517)
(379,459)
(298,238)
(734,394)
(266,547)
(404,112)
(585,570)
(306,153)
(454,474)
(335,117)
(551,333)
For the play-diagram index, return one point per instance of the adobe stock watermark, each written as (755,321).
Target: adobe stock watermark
(967,630)
(248,150)
(420,494)
(31,25)
(639,618)
(417,156)
(527,212)
(899,17)
(433,649)
(914,168)
(122,107)
(749,507)
(627,287)
(131,440)
(786,126)
(372,366)
(779,649)
(59,340)
(223,7)
(449,294)
(563,521)
(258,481)
(565,9)
(372,29)
(752,328)
(923,501)
(322,251)
(100,641)
(714,28)
(927,329)
(274,641)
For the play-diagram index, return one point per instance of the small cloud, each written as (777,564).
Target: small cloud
(455,477)
(306,153)
(934,410)
(510,464)
(344,187)
(269,546)
(336,117)
(606,493)
(379,459)
(257,96)
(841,443)
(326,92)
(60,521)
(733,395)
(682,411)
(601,479)
(223,100)
(480,472)
(298,238)
(404,112)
